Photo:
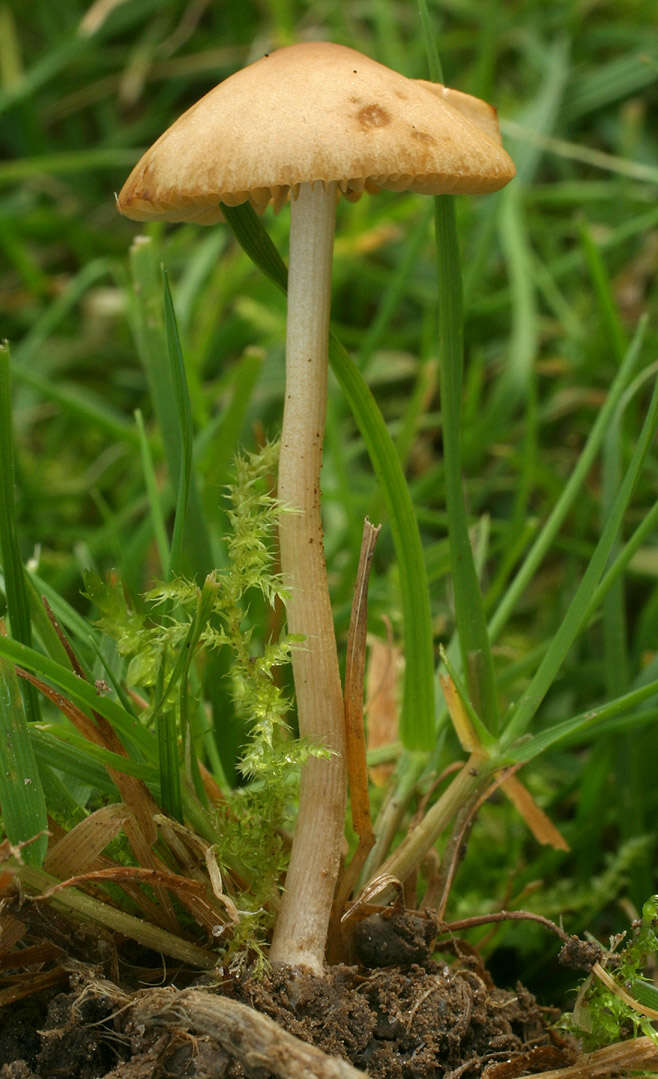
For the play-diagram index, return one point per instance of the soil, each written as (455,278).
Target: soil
(100,1020)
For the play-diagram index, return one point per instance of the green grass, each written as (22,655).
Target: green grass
(542,447)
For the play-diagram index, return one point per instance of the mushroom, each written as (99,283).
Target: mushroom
(311,122)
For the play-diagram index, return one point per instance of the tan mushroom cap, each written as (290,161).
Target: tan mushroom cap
(310,112)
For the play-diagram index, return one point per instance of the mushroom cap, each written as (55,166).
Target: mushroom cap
(310,112)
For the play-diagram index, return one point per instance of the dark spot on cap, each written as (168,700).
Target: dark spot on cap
(373,116)
(423,136)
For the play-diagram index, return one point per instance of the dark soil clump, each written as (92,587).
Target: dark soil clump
(99,1021)
(430,1021)
(418,1023)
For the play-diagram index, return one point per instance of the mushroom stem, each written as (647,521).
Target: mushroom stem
(301,929)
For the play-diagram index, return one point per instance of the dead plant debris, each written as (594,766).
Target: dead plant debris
(424,1021)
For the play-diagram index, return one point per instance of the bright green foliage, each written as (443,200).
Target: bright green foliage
(215,615)
(165,646)
(602,1016)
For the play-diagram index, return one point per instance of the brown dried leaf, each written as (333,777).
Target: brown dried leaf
(11,931)
(27,987)
(384,668)
(79,849)
(538,822)
(130,873)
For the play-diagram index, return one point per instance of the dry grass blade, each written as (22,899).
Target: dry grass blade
(538,822)
(461,721)
(355,741)
(76,859)
(620,1059)
(77,904)
(79,849)
(619,991)
(82,723)
(190,850)
(31,956)
(355,660)
(11,931)
(196,895)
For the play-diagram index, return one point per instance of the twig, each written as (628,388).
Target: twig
(503,916)
(256,1040)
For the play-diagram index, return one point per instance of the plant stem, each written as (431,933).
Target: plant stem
(301,928)
(464,788)
(76,902)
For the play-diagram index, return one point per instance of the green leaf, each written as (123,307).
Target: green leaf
(578,609)
(474,642)
(573,485)
(184,428)
(644,992)
(82,693)
(160,353)
(18,605)
(417,722)
(570,729)
(470,617)
(155,503)
(21,793)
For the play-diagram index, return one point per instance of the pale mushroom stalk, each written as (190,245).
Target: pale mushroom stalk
(301,928)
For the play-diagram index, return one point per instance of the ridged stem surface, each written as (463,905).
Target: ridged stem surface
(301,928)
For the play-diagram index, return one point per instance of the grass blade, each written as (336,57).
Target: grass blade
(417,721)
(566,500)
(578,725)
(82,693)
(184,416)
(163,367)
(418,708)
(21,793)
(18,605)
(579,607)
(155,507)
(469,607)
(615,630)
